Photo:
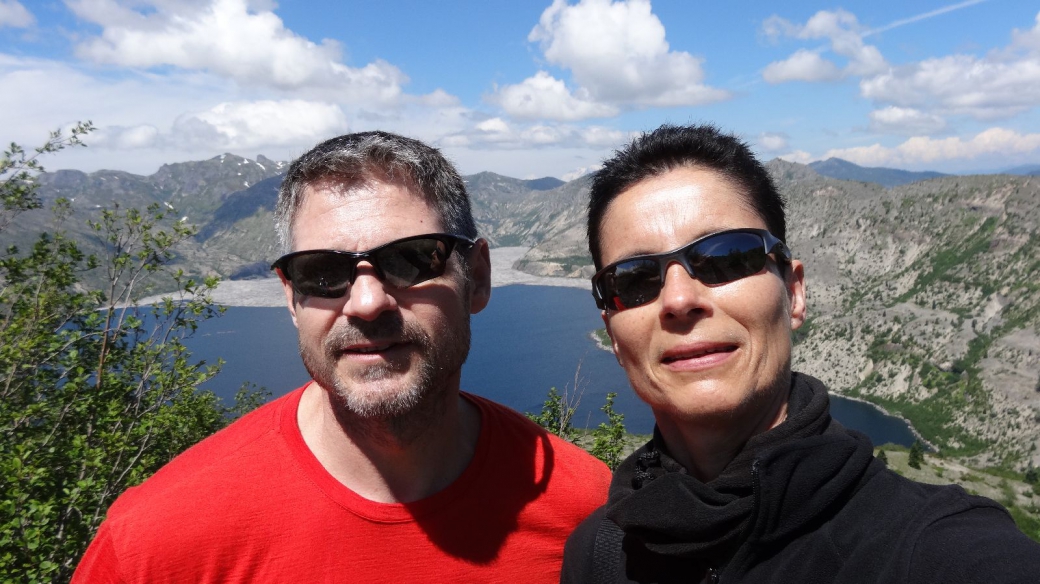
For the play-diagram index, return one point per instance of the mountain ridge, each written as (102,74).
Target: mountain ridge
(888,177)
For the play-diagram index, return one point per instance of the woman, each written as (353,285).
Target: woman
(747,477)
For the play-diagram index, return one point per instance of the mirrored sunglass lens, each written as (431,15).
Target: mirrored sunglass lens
(633,283)
(410,262)
(321,274)
(727,257)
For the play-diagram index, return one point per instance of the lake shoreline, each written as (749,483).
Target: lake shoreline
(881,409)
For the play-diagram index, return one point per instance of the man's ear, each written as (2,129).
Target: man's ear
(480,276)
(795,282)
(613,343)
(290,295)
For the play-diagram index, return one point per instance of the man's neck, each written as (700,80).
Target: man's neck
(391,461)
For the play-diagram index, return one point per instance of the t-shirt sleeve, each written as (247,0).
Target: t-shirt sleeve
(99,564)
(981,544)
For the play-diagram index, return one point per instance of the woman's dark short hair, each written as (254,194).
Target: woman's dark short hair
(671,147)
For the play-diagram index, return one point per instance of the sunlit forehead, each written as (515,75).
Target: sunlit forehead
(668,210)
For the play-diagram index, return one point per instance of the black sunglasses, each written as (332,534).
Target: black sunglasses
(328,273)
(713,259)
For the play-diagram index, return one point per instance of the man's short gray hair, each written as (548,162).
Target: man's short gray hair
(357,158)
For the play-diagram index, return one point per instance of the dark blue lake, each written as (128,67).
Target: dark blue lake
(528,339)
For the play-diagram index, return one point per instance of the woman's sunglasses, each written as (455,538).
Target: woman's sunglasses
(328,273)
(713,259)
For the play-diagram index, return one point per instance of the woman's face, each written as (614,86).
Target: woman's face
(715,354)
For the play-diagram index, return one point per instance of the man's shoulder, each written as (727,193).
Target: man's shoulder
(218,458)
(511,426)
(526,476)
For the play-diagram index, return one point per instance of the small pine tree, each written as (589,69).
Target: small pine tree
(609,438)
(1032,475)
(882,457)
(916,455)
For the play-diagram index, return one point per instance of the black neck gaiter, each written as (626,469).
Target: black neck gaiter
(671,513)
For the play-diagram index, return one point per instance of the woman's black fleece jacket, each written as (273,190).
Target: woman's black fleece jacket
(805,502)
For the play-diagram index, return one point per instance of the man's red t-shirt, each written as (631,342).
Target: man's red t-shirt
(252,504)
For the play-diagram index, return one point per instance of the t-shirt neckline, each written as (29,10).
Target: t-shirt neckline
(373,510)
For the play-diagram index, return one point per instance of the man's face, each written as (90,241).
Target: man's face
(714,354)
(381,350)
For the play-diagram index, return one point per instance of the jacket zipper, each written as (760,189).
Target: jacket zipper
(712,577)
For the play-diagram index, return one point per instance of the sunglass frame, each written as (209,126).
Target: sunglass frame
(451,240)
(770,243)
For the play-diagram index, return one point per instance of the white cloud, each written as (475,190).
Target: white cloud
(618,57)
(802,66)
(545,97)
(437,98)
(229,38)
(1027,39)
(919,95)
(493,125)
(579,172)
(497,133)
(599,136)
(13,14)
(906,121)
(845,34)
(52,94)
(799,156)
(999,142)
(123,138)
(772,142)
(146,120)
(248,125)
(985,88)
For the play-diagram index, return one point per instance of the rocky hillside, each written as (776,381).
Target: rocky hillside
(924,297)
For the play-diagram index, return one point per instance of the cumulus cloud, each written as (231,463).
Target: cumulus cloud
(772,141)
(493,125)
(124,138)
(915,98)
(13,14)
(579,172)
(802,66)
(249,125)
(497,133)
(906,121)
(921,149)
(544,96)
(230,38)
(617,56)
(845,35)
(985,88)
(799,156)
(1027,39)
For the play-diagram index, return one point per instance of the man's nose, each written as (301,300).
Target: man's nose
(368,296)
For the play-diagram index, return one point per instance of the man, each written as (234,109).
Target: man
(379,469)
(747,477)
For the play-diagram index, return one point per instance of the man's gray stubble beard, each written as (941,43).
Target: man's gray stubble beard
(438,362)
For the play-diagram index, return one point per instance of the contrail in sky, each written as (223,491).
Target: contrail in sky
(924,16)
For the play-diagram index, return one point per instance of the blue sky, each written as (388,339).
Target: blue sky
(525,88)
